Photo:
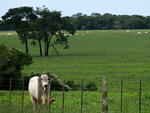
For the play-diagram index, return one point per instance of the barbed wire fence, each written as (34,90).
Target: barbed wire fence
(104,97)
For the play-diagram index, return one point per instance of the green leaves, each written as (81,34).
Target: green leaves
(11,64)
(14,58)
(39,25)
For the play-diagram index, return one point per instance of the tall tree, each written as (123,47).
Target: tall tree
(36,34)
(23,32)
(52,27)
(19,18)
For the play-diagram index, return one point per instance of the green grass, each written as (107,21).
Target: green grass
(116,54)
(92,102)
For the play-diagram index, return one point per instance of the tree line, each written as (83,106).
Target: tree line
(108,21)
(49,27)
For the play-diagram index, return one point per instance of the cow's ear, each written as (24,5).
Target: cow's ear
(41,78)
(50,79)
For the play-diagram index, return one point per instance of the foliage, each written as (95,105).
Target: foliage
(40,25)
(50,28)
(91,86)
(11,64)
(108,21)
(19,19)
(97,21)
(71,84)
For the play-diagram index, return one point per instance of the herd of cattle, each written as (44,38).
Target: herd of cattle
(34,84)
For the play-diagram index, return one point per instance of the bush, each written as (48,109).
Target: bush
(71,84)
(91,86)
(11,64)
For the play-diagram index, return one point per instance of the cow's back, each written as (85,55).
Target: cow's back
(33,86)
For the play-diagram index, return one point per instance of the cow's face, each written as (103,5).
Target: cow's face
(45,81)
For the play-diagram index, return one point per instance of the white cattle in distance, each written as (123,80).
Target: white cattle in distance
(138,33)
(146,32)
(128,31)
(33,90)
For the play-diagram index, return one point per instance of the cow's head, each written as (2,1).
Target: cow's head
(45,81)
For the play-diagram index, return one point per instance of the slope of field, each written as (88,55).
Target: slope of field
(115,54)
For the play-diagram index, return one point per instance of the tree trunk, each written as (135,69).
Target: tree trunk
(45,49)
(26,46)
(40,48)
(104,96)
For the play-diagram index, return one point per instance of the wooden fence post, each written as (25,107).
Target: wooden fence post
(10,94)
(63,95)
(38,106)
(22,95)
(104,96)
(121,93)
(81,94)
(49,93)
(140,98)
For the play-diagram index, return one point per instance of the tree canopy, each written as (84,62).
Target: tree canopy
(49,28)
(97,21)
(19,19)
(40,25)
(108,21)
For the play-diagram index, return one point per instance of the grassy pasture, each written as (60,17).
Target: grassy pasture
(115,54)
(112,53)
(92,102)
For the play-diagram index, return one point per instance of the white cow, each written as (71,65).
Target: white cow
(33,90)
(128,31)
(138,33)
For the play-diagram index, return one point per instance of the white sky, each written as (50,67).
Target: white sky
(70,7)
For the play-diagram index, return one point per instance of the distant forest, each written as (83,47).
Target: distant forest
(106,21)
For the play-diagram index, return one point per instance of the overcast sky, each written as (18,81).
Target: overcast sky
(70,7)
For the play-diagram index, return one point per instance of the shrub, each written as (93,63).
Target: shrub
(91,86)
(71,84)
(11,64)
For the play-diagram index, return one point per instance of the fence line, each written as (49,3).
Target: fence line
(104,96)
(10,95)
(140,98)
(39,95)
(81,94)
(121,94)
(63,96)
(23,95)
(49,93)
